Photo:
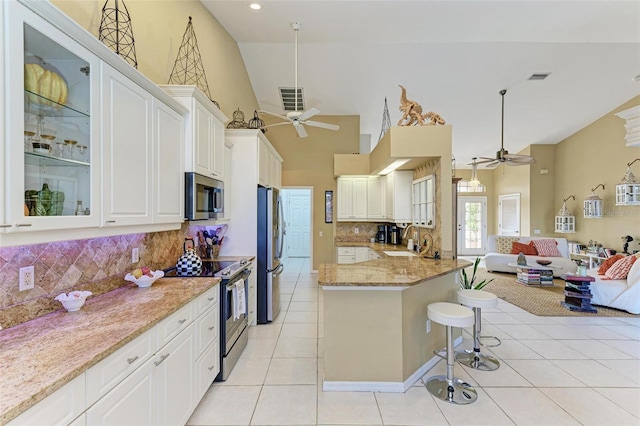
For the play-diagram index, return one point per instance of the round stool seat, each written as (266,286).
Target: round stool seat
(477,298)
(450,314)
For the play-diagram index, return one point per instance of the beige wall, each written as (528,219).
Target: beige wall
(598,154)
(542,190)
(158,27)
(309,162)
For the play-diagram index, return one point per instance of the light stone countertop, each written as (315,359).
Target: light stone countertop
(42,355)
(390,271)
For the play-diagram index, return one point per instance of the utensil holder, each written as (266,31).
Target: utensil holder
(216,251)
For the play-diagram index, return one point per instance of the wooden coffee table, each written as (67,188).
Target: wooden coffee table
(534,275)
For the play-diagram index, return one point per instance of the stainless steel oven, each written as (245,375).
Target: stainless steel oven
(233,318)
(204,197)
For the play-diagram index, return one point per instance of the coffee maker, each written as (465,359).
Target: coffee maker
(381,235)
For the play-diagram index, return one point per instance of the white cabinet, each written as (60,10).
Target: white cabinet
(167,166)
(61,407)
(204,132)
(44,177)
(228,184)
(398,196)
(352,198)
(373,255)
(126,154)
(376,188)
(362,254)
(269,165)
(346,255)
(130,402)
(423,201)
(207,343)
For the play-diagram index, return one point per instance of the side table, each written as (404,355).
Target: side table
(533,275)
(577,293)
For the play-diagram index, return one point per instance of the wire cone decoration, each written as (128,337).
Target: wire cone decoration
(116,31)
(386,120)
(188,68)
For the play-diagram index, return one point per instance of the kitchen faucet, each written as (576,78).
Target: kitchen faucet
(406,231)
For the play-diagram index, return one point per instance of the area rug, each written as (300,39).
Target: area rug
(542,301)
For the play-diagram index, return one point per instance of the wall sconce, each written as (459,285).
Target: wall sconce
(474,182)
(565,220)
(628,190)
(593,204)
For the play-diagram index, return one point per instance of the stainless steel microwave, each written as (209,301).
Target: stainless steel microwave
(204,197)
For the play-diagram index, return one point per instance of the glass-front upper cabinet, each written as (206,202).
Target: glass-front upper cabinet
(423,201)
(52,169)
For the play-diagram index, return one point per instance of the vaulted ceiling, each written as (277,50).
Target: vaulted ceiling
(452,56)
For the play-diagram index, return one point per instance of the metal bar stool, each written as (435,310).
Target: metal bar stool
(478,299)
(449,388)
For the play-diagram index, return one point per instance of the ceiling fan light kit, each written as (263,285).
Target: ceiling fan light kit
(503,156)
(474,182)
(299,118)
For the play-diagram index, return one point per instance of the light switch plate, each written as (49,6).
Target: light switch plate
(135,255)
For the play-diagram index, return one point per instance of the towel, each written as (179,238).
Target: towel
(239,305)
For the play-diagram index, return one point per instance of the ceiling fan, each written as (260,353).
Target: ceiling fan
(299,118)
(503,156)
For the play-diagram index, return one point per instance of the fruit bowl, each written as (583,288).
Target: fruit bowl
(543,262)
(145,280)
(74,300)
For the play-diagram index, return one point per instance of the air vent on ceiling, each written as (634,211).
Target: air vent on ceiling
(539,76)
(287,95)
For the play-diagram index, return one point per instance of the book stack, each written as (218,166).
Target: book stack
(577,294)
(528,276)
(546,277)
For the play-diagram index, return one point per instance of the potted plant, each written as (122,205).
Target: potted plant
(470,284)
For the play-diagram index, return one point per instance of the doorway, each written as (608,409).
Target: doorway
(509,214)
(472,225)
(297,203)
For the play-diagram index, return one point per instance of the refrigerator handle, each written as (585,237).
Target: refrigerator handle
(278,270)
(280,228)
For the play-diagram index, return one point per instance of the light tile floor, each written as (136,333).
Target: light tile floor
(554,371)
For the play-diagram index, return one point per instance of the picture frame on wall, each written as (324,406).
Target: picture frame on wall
(328,206)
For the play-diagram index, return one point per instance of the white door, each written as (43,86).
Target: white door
(472,225)
(509,214)
(298,223)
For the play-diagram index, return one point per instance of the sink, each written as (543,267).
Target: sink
(399,253)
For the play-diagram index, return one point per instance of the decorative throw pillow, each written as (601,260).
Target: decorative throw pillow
(547,248)
(608,263)
(503,244)
(620,269)
(527,249)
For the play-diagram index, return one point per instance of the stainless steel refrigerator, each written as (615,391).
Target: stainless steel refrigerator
(270,243)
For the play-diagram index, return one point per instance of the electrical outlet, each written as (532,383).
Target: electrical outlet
(27,280)
(356,230)
(428,326)
(320,234)
(135,255)
(536,232)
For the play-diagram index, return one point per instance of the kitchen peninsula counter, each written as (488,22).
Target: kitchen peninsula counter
(375,316)
(42,355)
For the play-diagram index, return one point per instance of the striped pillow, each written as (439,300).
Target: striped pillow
(547,248)
(503,244)
(608,263)
(620,269)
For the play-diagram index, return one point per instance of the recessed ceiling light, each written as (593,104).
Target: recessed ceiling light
(255,6)
(539,76)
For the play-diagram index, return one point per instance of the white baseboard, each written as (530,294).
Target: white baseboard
(391,387)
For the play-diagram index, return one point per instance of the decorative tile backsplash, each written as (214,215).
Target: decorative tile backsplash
(98,265)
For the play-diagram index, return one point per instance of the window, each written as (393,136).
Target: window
(423,201)
(464,186)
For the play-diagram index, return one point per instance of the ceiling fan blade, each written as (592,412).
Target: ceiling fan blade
(277,124)
(492,163)
(308,114)
(284,117)
(520,159)
(322,125)
(485,160)
(302,133)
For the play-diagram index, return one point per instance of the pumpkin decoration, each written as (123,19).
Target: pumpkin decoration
(45,83)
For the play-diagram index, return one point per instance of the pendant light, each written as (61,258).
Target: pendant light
(565,220)
(474,182)
(593,204)
(628,190)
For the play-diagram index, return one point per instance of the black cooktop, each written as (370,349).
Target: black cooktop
(209,268)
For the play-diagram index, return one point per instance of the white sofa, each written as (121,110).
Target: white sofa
(619,294)
(499,262)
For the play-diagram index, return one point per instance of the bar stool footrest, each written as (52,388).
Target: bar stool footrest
(440,353)
(490,345)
